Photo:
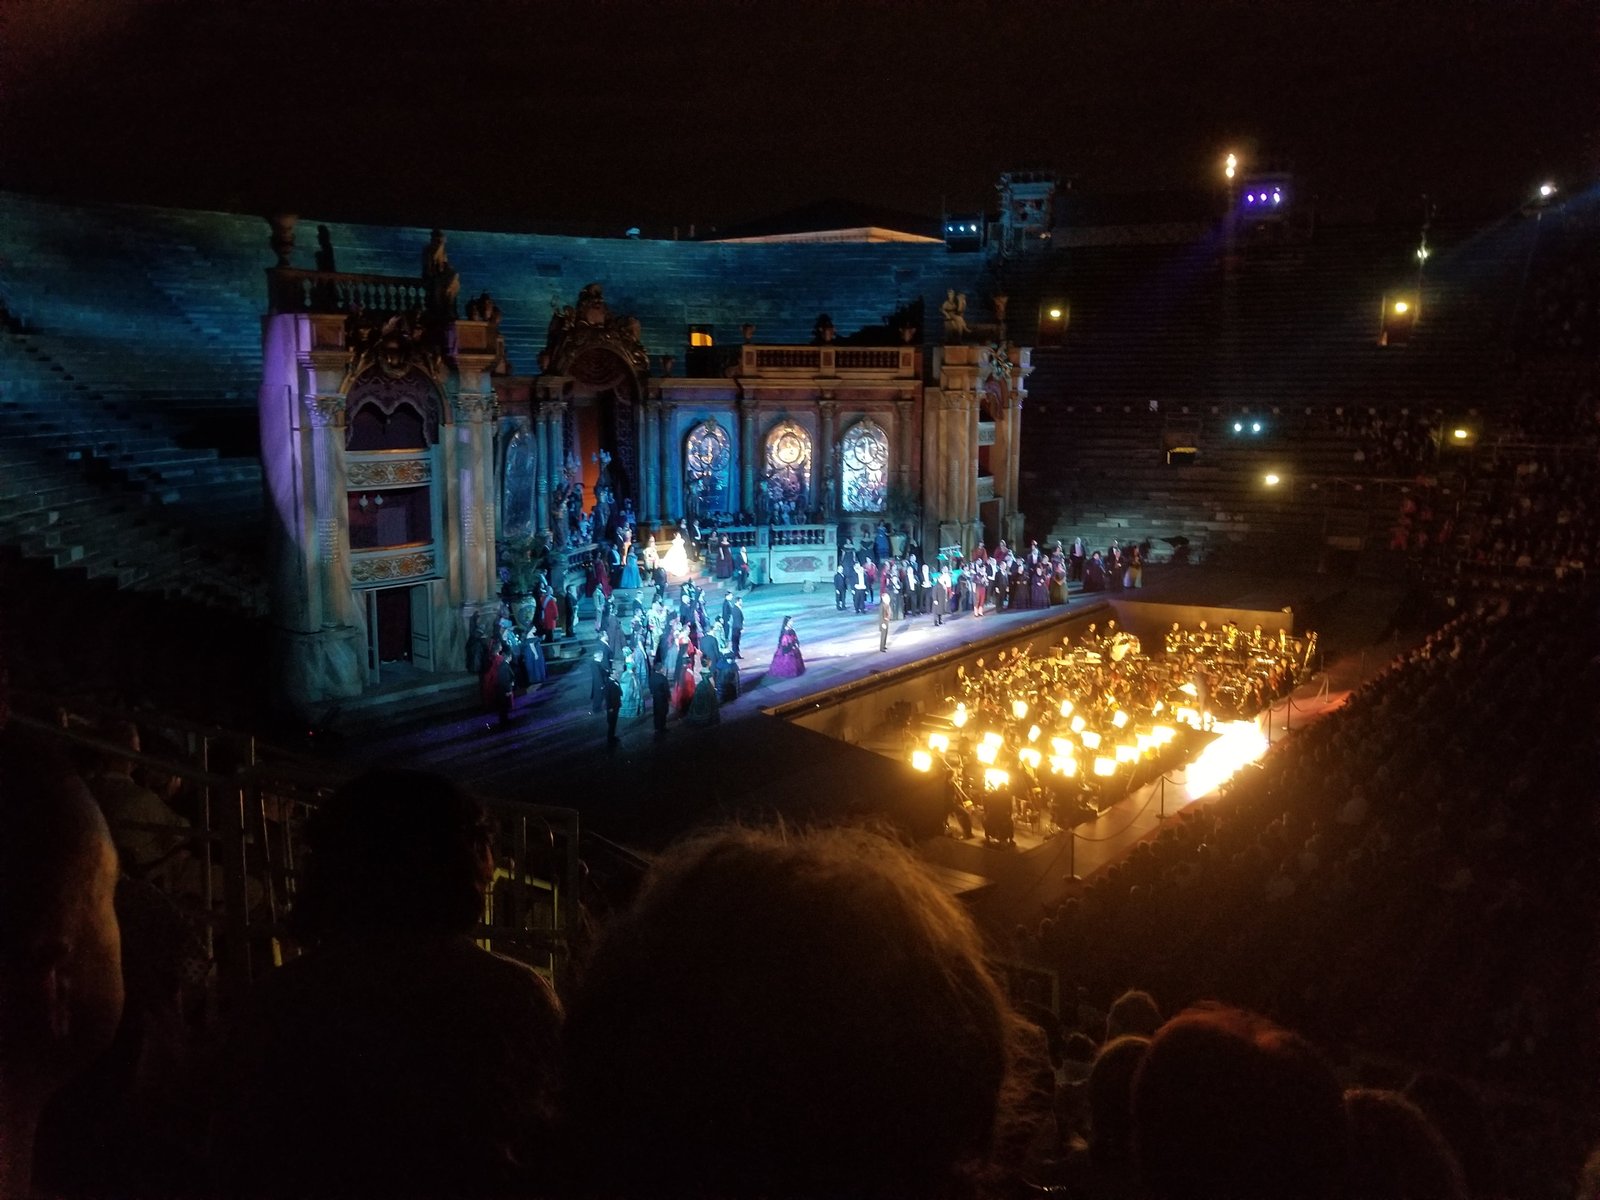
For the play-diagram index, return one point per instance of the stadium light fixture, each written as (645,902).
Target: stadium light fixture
(1272,479)
(1546,190)
(1230,166)
(1401,307)
(1460,434)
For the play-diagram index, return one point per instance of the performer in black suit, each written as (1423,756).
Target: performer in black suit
(660,699)
(735,626)
(613,706)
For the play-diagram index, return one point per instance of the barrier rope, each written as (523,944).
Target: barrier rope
(1110,837)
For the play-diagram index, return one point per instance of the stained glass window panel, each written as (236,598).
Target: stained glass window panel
(789,467)
(707,455)
(866,467)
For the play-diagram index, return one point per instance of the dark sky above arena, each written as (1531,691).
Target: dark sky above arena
(611,113)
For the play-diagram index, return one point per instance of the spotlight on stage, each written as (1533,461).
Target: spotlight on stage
(939,742)
(1066,708)
(1272,479)
(995,780)
(922,760)
(1029,757)
(1119,719)
(1105,767)
(1019,709)
(1079,724)
(1090,739)
(986,753)
(1230,166)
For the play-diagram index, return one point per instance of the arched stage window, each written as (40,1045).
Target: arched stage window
(865,451)
(789,467)
(707,457)
(372,427)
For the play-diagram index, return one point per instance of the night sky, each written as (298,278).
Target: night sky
(609,114)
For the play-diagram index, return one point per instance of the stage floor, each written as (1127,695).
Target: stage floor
(643,791)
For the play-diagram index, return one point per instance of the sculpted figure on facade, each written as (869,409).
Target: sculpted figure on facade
(954,311)
(577,329)
(440,280)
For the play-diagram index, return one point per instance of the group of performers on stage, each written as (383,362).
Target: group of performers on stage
(986,583)
(1064,734)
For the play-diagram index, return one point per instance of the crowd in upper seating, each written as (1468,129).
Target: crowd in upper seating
(1518,516)
(1563,301)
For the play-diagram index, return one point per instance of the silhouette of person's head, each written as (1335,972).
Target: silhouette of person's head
(395,849)
(1228,1104)
(1110,1095)
(1395,1151)
(785,1016)
(60,949)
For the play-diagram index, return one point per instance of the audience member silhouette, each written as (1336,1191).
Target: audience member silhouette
(60,951)
(1228,1104)
(785,1016)
(395,1057)
(1395,1153)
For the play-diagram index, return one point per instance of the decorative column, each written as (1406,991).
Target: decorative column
(649,462)
(747,452)
(905,447)
(541,468)
(830,459)
(555,436)
(955,488)
(336,609)
(932,482)
(1013,453)
(474,476)
(671,476)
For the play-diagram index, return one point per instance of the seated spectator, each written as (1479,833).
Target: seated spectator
(1228,1104)
(60,951)
(800,1016)
(131,809)
(1108,1169)
(1459,1117)
(396,1057)
(1133,1012)
(1395,1154)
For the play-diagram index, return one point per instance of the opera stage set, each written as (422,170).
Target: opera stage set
(411,470)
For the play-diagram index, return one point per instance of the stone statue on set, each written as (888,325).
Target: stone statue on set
(954,311)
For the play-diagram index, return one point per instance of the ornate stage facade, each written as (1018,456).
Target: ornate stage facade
(413,477)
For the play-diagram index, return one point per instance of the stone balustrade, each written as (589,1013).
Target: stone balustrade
(292,290)
(830,361)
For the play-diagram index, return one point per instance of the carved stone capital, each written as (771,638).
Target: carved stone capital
(474,407)
(326,410)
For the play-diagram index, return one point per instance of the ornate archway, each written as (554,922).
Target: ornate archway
(604,354)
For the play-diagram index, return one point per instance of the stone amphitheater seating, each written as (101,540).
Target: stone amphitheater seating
(131,356)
